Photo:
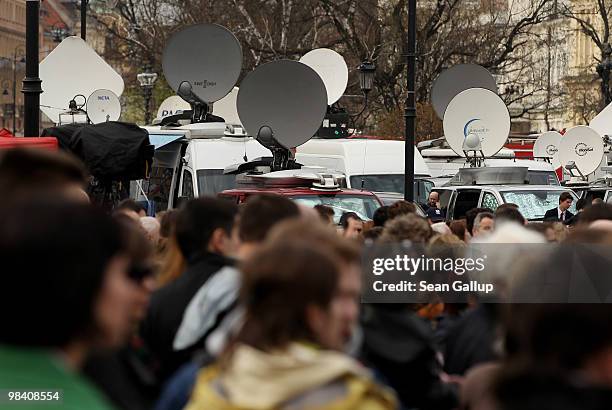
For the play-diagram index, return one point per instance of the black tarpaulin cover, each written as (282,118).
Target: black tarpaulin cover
(110,150)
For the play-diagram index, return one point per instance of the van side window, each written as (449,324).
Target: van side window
(187,188)
(466,200)
(445,196)
(489,201)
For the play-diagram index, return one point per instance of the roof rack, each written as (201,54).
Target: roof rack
(491,176)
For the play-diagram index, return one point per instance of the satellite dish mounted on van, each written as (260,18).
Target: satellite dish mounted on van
(477,121)
(227,108)
(172,105)
(581,151)
(456,79)
(103,106)
(62,79)
(332,69)
(202,64)
(547,146)
(282,103)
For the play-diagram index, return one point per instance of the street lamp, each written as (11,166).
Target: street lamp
(367,69)
(58,32)
(147,80)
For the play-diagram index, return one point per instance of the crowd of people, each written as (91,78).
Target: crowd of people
(257,306)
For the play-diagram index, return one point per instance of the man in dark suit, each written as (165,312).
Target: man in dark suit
(561,213)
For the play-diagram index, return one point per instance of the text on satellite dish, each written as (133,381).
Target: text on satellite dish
(582,149)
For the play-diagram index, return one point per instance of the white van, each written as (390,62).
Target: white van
(444,162)
(189,162)
(373,165)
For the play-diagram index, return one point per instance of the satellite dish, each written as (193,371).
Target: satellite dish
(171,106)
(547,146)
(227,108)
(208,56)
(457,79)
(288,97)
(583,146)
(332,69)
(602,123)
(62,79)
(479,112)
(103,106)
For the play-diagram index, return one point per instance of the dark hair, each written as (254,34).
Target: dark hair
(539,227)
(131,205)
(580,204)
(407,227)
(167,223)
(595,212)
(381,215)
(373,233)
(458,228)
(24,171)
(344,219)
(325,212)
(197,221)
(400,208)
(565,196)
(508,214)
(261,212)
(137,247)
(55,255)
(470,217)
(281,275)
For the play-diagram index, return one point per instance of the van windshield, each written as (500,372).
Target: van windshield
(363,205)
(533,204)
(213,181)
(392,183)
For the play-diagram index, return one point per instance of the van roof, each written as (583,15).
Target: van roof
(381,156)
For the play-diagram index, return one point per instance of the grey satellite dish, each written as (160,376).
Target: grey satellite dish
(284,101)
(456,79)
(207,56)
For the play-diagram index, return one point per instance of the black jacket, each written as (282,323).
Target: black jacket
(166,310)
(552,215)
(398,345)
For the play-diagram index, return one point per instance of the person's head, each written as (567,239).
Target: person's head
(597,201)
(407,227)
(152,227)
(483,224)
(381,215)
(25,172)
(400,208)
(351,224)
(508,214)
(70,283)
(470,216)
(581,204)
(326,213)
(545,229)
(167,222)
(457,227)
(565,201)
(129,205)
(320,304)
(372,234)
(433,198)
(204,225)
(595,212)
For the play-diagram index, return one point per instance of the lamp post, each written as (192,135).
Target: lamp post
(410,105)
(147,81)
(32,82)
(84,19)
(603,69)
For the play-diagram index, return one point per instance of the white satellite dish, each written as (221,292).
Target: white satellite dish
(479,112)
(103,106)
(73,68)
(584,146)
(171,106)
(547,146)
(602,123)
(227,108)
(208,56)
(332,69)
